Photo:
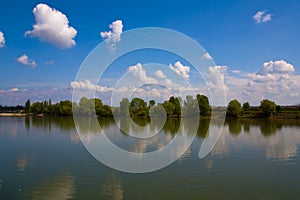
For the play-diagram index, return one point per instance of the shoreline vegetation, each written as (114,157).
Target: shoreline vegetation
(175,107)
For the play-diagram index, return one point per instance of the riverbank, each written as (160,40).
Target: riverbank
(12,114)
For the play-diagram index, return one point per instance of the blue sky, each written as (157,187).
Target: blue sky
(239,44)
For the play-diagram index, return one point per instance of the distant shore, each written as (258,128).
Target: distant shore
(248,115)
(12,114)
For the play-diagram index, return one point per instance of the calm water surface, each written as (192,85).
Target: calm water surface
(43,158)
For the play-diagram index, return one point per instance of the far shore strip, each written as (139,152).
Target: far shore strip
(12,114)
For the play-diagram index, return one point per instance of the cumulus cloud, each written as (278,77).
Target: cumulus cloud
(262,16)
(215,80)
(26,61)
(159,74)
(114,36)
(263,78)
(2,40)
(88,85)
(276,67)
(138,72)
(217,75)
(180,69)
(168,82)
(52,26)
(13,89)
(206,56)
(276,81)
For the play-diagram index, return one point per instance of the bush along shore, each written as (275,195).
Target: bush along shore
(175,107)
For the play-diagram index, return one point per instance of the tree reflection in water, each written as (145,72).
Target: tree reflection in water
(62,187)
(277,146)
(113,188)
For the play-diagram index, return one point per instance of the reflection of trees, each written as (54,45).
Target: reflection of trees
(221,149)
(191,125)
(106,121)
(246,125)
(27,122)
(283,146)
(235,126)
(90,124)
(58,188)
(85,123)
(269,127)
(171,126)
(125,125)
(23,162)
(141,121)
(203,128)
(47,122)
(112,189)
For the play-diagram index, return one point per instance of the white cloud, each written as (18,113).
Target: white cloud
(276,67)
(13,89)
(180,69)
(2,40)
(114,36)
(168,82)
(215,81)
(149,93)
(138,72)
(236,71)
(262,16)
(264,78)
(218,74)
(207,56)
(88,85)
(275,81)
(52,26)
(50,62)
(26,61)
(159,74)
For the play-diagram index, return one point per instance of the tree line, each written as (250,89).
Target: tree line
(267,108)
(66,108)
(137,107)
(11,109)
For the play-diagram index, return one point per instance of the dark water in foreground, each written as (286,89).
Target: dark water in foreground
(43,158)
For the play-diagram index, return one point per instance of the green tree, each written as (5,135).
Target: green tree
(95,105)
(45,104)
(151,103)
(50,109)
(84,106)
(169,107)
(204,106)
(191,106)
(138,107)
(177,105)
(65,108)
(246,106)
(37,108)
(234,108)
(157,111)
(278,108)
(105,111)
(268,107)
(124,107)
(27,106)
